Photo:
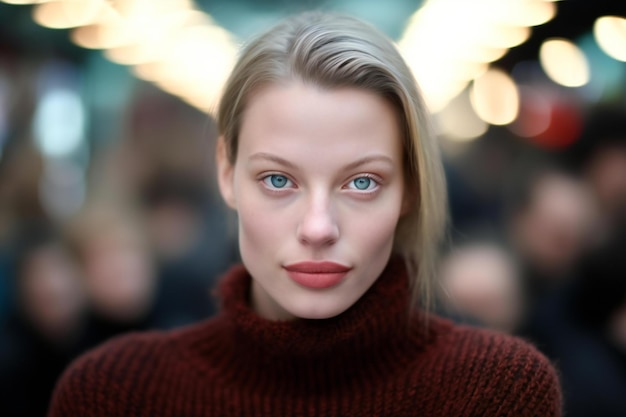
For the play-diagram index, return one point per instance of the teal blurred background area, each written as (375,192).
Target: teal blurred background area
(110,220)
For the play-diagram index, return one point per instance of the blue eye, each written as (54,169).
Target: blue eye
(363,183)
(276,181)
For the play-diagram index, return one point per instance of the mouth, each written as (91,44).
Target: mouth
(317,275)
(317,267)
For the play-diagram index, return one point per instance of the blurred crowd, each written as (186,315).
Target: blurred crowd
(536,249)
(141,251)
(550,266)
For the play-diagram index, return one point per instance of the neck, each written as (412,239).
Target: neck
(375,321)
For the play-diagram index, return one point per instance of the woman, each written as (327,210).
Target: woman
(327,157)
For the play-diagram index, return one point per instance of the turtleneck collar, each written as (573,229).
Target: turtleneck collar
(379,335)
(377,319)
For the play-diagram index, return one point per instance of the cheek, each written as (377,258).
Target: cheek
(262,227)
(373,228)
(256,227)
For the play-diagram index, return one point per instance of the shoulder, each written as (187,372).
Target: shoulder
(469,340)
(494,368)
(136,371)
(497,352)
(102,381)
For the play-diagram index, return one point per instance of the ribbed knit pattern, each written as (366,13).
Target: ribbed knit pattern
(373,360)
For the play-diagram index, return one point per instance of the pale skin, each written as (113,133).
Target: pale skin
(318,176)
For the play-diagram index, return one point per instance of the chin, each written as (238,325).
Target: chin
(317,312)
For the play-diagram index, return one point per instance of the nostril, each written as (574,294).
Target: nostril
(318,228)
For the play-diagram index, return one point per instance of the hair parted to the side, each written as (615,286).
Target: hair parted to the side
(334,51)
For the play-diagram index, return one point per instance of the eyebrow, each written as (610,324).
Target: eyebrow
(362,161)
(274,158)
(368,159)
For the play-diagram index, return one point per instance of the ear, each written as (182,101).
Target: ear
(225,174)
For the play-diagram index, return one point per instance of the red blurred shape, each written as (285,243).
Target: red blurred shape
(564,128)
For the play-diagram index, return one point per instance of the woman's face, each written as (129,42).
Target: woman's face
(318,186)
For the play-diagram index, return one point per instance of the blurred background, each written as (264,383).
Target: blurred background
(110,220)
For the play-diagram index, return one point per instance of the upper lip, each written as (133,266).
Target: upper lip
(316,267)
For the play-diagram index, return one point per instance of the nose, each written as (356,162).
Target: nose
(318,226)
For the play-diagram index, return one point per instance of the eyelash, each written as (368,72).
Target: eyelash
(290,184)
(373,178)
(266,181)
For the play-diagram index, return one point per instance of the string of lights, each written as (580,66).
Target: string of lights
(181,49)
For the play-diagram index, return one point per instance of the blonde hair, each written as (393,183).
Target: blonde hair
(333,51)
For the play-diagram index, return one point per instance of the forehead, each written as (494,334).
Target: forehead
(307,113)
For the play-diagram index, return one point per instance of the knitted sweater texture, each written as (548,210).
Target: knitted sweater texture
(375,359)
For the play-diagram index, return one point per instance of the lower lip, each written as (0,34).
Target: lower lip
(317,280)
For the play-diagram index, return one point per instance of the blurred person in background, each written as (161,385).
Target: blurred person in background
(475,179)
(480,285)
(189,237)
(170,184)
(600,156)
(118,270)
(21,168)
(174,207)
(585,334)
(549,225)
(45,330)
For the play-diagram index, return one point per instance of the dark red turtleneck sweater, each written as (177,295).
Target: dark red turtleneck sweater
(372,360)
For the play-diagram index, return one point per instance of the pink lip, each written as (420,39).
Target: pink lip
(317,275)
